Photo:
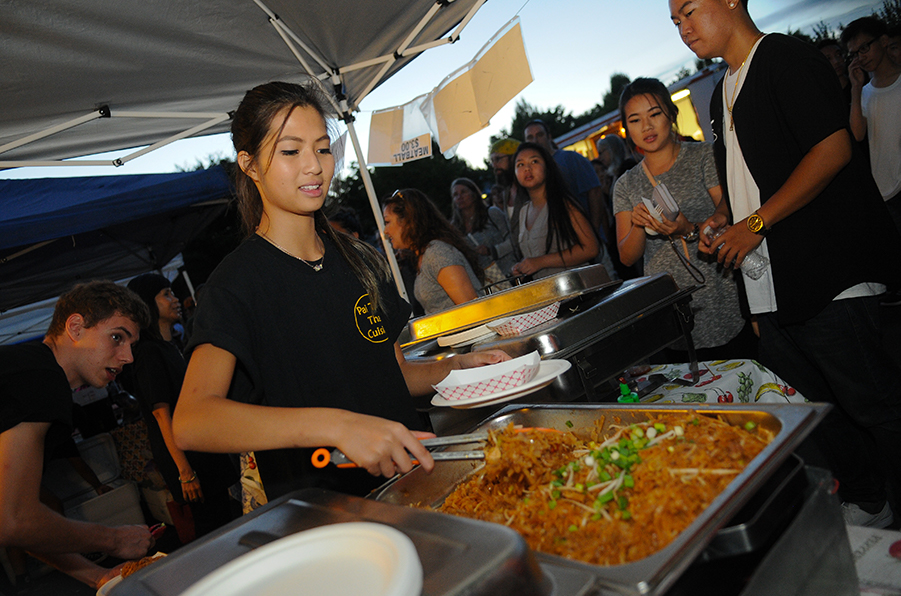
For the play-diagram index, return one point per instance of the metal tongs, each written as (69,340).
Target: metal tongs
(323,457)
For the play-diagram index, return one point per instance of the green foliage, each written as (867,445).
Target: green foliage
(890,12)
(822,31)
(558,120)
(618,82)
(800,35)
(432,176)
(211,160)
(683,72)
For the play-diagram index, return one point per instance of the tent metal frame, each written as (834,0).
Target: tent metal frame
(332,75)
(212,119)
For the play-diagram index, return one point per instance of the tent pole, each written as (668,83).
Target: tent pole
(376,210)
(184,273)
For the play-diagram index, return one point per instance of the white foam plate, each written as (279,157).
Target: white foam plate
(346,559)
(547,372)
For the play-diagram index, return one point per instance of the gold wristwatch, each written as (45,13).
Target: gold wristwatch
(755,224)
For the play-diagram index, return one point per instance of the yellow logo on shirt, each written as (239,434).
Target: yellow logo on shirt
(369,324)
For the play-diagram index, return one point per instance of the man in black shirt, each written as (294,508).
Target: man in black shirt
(89,341)
(796,189)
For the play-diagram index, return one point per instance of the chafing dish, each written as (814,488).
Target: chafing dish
(602,333)
(516,300)
(473,558)
(790,423)
(459,556)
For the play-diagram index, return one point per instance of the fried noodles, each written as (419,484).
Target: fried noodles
(612,500)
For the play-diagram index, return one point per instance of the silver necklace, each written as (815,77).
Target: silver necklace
(316,267)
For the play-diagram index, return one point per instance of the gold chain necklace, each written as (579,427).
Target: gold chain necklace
(316,267)
(729,104)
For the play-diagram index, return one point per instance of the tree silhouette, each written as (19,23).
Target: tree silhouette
(432,176)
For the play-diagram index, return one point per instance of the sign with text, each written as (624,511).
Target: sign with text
(412,149)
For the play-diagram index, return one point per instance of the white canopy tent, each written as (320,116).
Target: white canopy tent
(88,76)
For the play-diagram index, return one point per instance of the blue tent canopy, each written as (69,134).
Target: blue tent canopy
(48,208)
(55,232)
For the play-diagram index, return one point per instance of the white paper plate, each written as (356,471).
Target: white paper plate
(105,588)
(547,372)
(346,559)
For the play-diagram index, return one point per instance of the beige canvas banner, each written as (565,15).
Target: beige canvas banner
(465,101)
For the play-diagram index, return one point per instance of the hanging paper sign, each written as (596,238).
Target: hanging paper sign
(413,149)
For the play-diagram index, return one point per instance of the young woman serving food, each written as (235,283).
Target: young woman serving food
(294,339)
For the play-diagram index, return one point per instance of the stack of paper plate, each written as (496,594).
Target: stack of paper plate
(465,338)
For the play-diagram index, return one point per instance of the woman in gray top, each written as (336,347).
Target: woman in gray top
(448,269)
(485,228)
(688,171)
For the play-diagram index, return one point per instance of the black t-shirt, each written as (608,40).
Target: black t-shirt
(33,388)
(155,378)
(791,101)
(305,338)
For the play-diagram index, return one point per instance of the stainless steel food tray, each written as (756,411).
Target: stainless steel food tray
(460,557)
(654,574)
(516,300)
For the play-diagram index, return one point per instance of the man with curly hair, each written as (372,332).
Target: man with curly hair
(89,341)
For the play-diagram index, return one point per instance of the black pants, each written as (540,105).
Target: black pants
(838,357)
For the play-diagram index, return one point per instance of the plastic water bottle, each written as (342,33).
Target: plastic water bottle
(753,266)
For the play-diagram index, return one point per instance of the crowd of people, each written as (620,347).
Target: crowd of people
(293,344)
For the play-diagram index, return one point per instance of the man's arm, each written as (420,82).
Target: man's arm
(812,175)
(27,523)
(858,80)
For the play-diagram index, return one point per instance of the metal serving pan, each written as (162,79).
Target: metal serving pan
(653,575)
(633,301)
(516,300)
(627,308)
(460,557)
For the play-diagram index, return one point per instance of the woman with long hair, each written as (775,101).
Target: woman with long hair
(554,231)
(688,172)
(200,480)
(294,344)
(447,268)
(484,227)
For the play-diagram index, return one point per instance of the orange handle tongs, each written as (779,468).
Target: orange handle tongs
(323,457)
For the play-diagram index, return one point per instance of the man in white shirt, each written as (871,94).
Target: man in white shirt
(876,105)
(797,190)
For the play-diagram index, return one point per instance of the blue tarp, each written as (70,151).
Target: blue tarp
(48,208)
(55,232)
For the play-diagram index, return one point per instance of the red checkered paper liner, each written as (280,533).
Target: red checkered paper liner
(519,323)
(486,380)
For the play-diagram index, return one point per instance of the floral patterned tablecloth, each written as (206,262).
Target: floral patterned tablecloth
(721,381)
